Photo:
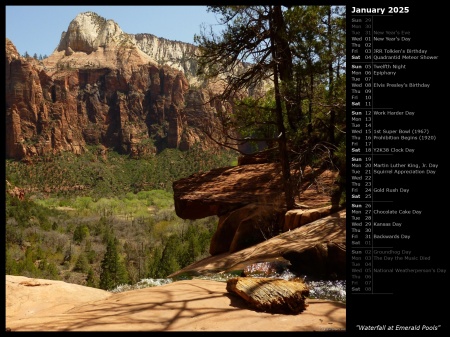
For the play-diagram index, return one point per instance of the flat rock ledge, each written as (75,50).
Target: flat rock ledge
(271,295)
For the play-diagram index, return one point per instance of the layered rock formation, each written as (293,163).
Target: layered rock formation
(90,33)
(101,86)
(249,201)
(317,250)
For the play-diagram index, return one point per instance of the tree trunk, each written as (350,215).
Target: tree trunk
(285,66)
(330,81)
(282,140)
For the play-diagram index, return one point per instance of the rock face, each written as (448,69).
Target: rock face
(102,86)
(177,55)
(89,33)
(249,201)
(329,231)
(220,191)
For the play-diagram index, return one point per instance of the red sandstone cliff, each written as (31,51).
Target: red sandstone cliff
(100,88)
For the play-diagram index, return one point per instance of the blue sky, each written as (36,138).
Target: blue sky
(37,29)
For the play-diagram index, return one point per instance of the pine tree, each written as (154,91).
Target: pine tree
(11,267)
(80,233)
(82,263)
(113,272)
(170,256)
(91,281)
(154,263)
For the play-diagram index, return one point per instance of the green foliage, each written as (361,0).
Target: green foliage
(81,232)
(83,203)
(96,177)
(49,270)
(158,198)
(90,252)
(341,158)
(170,256)
(113,271)
(27,213)
(82,263)
(255,119)
(182,248)
(11,266)
(91,280)
(73,242)
(27,266)
(154,270)
(13,233)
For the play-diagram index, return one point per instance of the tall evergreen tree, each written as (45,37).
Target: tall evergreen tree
(91,281)
(113,269)
(82,263)
(154,262)
(170,256)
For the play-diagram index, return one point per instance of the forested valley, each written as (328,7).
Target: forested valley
(117,226)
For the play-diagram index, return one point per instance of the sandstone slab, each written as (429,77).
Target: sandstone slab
(192,305)
(271,295)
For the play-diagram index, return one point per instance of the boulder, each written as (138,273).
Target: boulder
(249,201)
(223,190)
(271,295)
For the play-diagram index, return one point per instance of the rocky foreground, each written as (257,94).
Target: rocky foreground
(188,305)
(191,305)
